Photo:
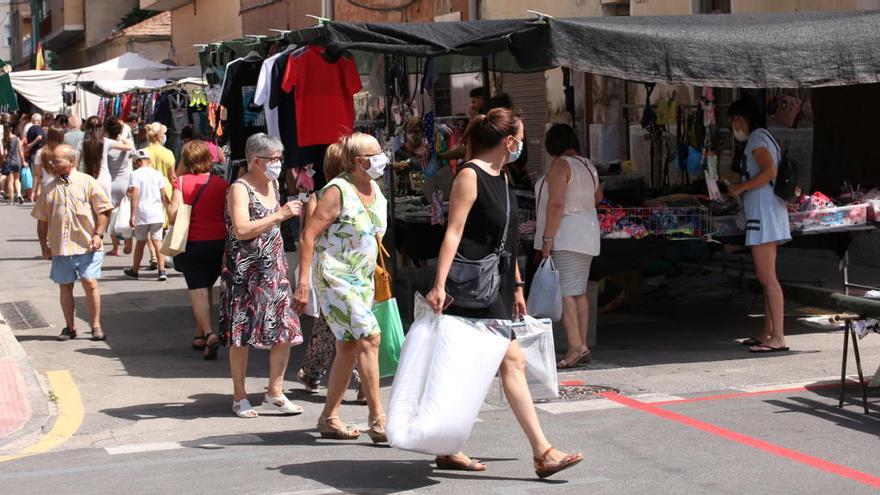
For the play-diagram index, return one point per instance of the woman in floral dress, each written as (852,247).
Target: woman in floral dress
(343,235)
(255,295)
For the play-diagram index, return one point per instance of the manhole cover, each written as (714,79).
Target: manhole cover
(21,315)
(569,393)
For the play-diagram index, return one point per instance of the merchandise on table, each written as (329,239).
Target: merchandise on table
(616,222)
(829,218)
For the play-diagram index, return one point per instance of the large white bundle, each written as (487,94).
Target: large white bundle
(445,371)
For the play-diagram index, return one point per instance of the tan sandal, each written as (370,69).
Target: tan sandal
(545,469)
(376,432)
(348,432)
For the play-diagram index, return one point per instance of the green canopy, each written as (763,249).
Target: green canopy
(8,98)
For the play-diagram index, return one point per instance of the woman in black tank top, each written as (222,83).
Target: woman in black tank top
(477,218)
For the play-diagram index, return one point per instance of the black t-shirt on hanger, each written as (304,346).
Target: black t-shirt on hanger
(243,118)
(295,156)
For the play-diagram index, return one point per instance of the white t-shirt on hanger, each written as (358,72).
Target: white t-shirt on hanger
(261,96)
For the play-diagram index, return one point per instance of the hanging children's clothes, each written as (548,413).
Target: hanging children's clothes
(244,118)
(323,96)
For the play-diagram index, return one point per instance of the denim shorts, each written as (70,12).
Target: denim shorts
(69,269)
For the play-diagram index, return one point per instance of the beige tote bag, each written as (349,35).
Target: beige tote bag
(175,241)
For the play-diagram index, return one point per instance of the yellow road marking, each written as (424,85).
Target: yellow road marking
(70,416)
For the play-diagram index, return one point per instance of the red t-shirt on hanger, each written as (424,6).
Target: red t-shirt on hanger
(324,91)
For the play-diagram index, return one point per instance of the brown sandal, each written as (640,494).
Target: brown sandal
(448,463)
(377,432)
(546,469)
(582,358)
(347,432)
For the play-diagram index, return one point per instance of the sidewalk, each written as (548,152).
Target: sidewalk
(24,407)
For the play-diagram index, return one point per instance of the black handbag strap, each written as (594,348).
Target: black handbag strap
(507,213)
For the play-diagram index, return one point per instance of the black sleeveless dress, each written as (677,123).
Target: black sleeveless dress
(482,235)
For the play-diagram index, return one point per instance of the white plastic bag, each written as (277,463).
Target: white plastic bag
(535,337)
(446,368)
(120,220)
(545,296)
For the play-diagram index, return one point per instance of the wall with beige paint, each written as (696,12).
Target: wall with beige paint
(203,22)
(661,7)
(418,11)
(155,50)
(516,9)
(102,17)
(257,17)
(766,6)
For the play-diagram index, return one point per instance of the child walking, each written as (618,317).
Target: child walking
(148,202)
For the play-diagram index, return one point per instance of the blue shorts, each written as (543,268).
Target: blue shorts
(69,269)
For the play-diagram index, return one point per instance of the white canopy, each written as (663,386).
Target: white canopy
(43,87)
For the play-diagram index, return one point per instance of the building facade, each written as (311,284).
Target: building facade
(21,45)
(198,21)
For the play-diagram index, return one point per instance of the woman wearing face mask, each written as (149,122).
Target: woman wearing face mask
(255,295)
(345,230)
(478,220)
(767,224)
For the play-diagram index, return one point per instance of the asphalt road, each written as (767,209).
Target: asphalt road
(156,417)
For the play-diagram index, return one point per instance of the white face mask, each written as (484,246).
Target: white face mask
(164,138)
(740,135)
(377,165)
(273,170)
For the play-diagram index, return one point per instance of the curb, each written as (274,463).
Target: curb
(42,409)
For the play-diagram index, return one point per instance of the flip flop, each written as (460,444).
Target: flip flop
(764,349)
(751,342)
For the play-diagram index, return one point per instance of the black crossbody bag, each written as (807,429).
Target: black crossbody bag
(474,284)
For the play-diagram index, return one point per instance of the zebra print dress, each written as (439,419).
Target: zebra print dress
(255,294)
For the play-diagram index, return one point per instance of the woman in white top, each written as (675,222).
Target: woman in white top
(568,229)
(116,169)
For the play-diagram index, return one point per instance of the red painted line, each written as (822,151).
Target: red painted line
(571,383)
(814,462)
(751,394)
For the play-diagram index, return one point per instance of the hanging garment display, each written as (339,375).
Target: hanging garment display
(263,93)
(237,95)
(295,156)
(323,96)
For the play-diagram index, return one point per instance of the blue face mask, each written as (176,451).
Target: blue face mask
(514,155)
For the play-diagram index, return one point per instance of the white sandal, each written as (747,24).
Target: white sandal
(244,409)
(285,406)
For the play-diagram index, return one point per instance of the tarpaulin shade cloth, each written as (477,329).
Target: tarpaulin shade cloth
(518,45)
(725,50)
(740,50)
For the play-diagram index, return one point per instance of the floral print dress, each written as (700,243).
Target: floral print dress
(255,294)
(346,262)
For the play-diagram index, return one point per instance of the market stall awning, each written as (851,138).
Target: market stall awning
(517,44)
(740,50)
(43,87)
(727,50)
